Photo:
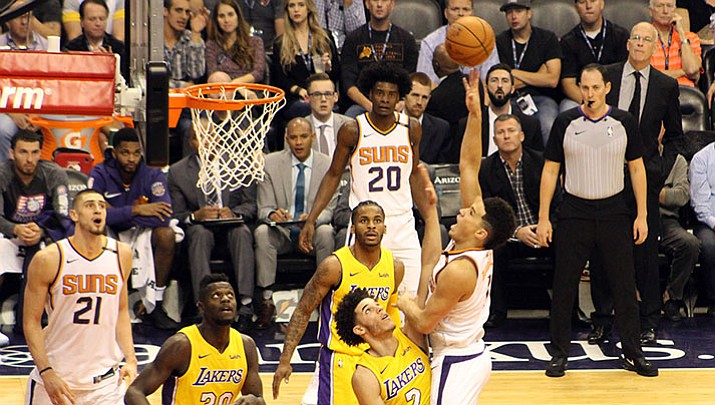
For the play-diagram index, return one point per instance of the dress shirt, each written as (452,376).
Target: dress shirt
(329,133)
(306,172)
(702,185)
(36,43)
(628,85)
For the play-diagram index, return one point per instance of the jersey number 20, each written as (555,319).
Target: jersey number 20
(209,398)
(391,174)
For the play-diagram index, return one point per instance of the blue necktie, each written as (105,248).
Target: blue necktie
(299,201)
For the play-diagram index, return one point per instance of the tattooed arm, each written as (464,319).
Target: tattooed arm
(326,276)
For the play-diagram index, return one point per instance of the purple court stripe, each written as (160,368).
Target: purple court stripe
(326,318)
(325,388)
(446,364)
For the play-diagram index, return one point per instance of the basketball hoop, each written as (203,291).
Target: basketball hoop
(231,126)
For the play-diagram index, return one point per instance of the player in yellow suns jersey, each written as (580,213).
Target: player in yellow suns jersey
(365,264)
(208,363)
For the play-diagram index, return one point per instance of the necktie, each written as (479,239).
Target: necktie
(323,140)
(299,201)
(635,107)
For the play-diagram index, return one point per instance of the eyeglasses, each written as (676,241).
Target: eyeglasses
(637,38)
(317,94)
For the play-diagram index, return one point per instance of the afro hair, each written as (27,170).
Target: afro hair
(386,73)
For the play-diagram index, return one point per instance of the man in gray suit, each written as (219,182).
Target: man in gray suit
(193,212)
(286,194)
(323,97)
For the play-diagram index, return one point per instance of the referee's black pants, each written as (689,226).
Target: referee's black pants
(604,228)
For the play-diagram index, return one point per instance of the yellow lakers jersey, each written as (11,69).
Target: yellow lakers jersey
(212,377)
(405,378)
(379,283)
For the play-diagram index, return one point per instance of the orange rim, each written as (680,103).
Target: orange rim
(73,124)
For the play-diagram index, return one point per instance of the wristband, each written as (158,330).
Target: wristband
(45,369)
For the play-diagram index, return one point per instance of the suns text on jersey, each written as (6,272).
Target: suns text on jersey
(376,293)
(90,283)
(394,385)
(381,154)
(207,376)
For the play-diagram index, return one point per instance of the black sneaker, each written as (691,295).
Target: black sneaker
(160,320)
(648,337)
(672,310)
(641,366)
(557,367)
(598,334)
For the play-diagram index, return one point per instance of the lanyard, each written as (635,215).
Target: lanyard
(517,63)
(662,46)
(307,59)
(588,42)
(384,45)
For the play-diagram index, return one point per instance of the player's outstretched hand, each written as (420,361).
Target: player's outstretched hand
(404,301)
(128,373)
(57,389)
(305,239)
(430,192)
(283,372)
(472,97)
(250,399)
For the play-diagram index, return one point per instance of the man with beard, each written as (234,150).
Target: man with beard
(82,283)
(138,199)
(33,193)
(205,363)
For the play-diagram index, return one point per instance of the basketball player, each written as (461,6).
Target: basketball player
(81,283)
(395,369)
(458,303)
(364,264)
(382,147)
(208,363)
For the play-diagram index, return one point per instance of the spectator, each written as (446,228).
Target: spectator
(678,53)
(265,18)
(287,193)
(303,49)
(192,210)
(681,245)
(231,48)
(71,18)
(46,18)
(534,55)
(33,197)
(453,10)
(139,213)
(436,143)
(593,40)
(702,198)
(323,97)
(340,17)
(376,41)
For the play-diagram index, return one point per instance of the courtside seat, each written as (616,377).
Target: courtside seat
(75,159)
(488,10)
(76,182)
(294,270)
(420,17)
(627,13)
(446,184)
(558,16)
(706,78)
(694,109)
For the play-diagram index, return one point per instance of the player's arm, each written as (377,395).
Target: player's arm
(347,140)
(252,391)
(391,309)
(173,358)
(326,276)
(549,178)
(124,325)
(470,156)
(41,273)
(636,168)
(366,387)
(417,181)
(456,281)
(432,240)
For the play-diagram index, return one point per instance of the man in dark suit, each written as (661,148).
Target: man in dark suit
(327,123)
(512,173)
(657,107)
(436,142)
(192,210)
(287,192)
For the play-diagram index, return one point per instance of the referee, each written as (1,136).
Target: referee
(592,142)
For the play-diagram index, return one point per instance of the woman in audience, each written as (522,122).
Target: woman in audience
(230,48)
(304,48)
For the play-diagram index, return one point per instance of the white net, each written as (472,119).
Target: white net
(231,140)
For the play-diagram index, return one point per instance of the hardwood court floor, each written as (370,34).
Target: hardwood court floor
(674,386)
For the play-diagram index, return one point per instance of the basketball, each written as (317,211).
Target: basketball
(470,41)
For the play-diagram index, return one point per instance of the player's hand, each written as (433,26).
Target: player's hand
(472,98)
(404,301)
(544,232)
(57,389)
(429,191)
(128,373)
(161,210)
(305,240)
(249,399)
(640,230)
(283,372)
(527,235)
(199,20)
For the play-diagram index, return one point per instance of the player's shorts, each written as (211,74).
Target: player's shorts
(402,240)
(335,378)
(111,393)
(459,379)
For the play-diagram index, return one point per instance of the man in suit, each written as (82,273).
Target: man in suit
(436,141)
(512,173)
(327,123)
(658,107)
(192,210)
(287,192)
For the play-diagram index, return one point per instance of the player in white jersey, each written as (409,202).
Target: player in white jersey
(382,147)
(458,302)
(81,283)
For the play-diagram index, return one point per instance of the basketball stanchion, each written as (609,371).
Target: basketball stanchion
(231,121)
(74,132)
